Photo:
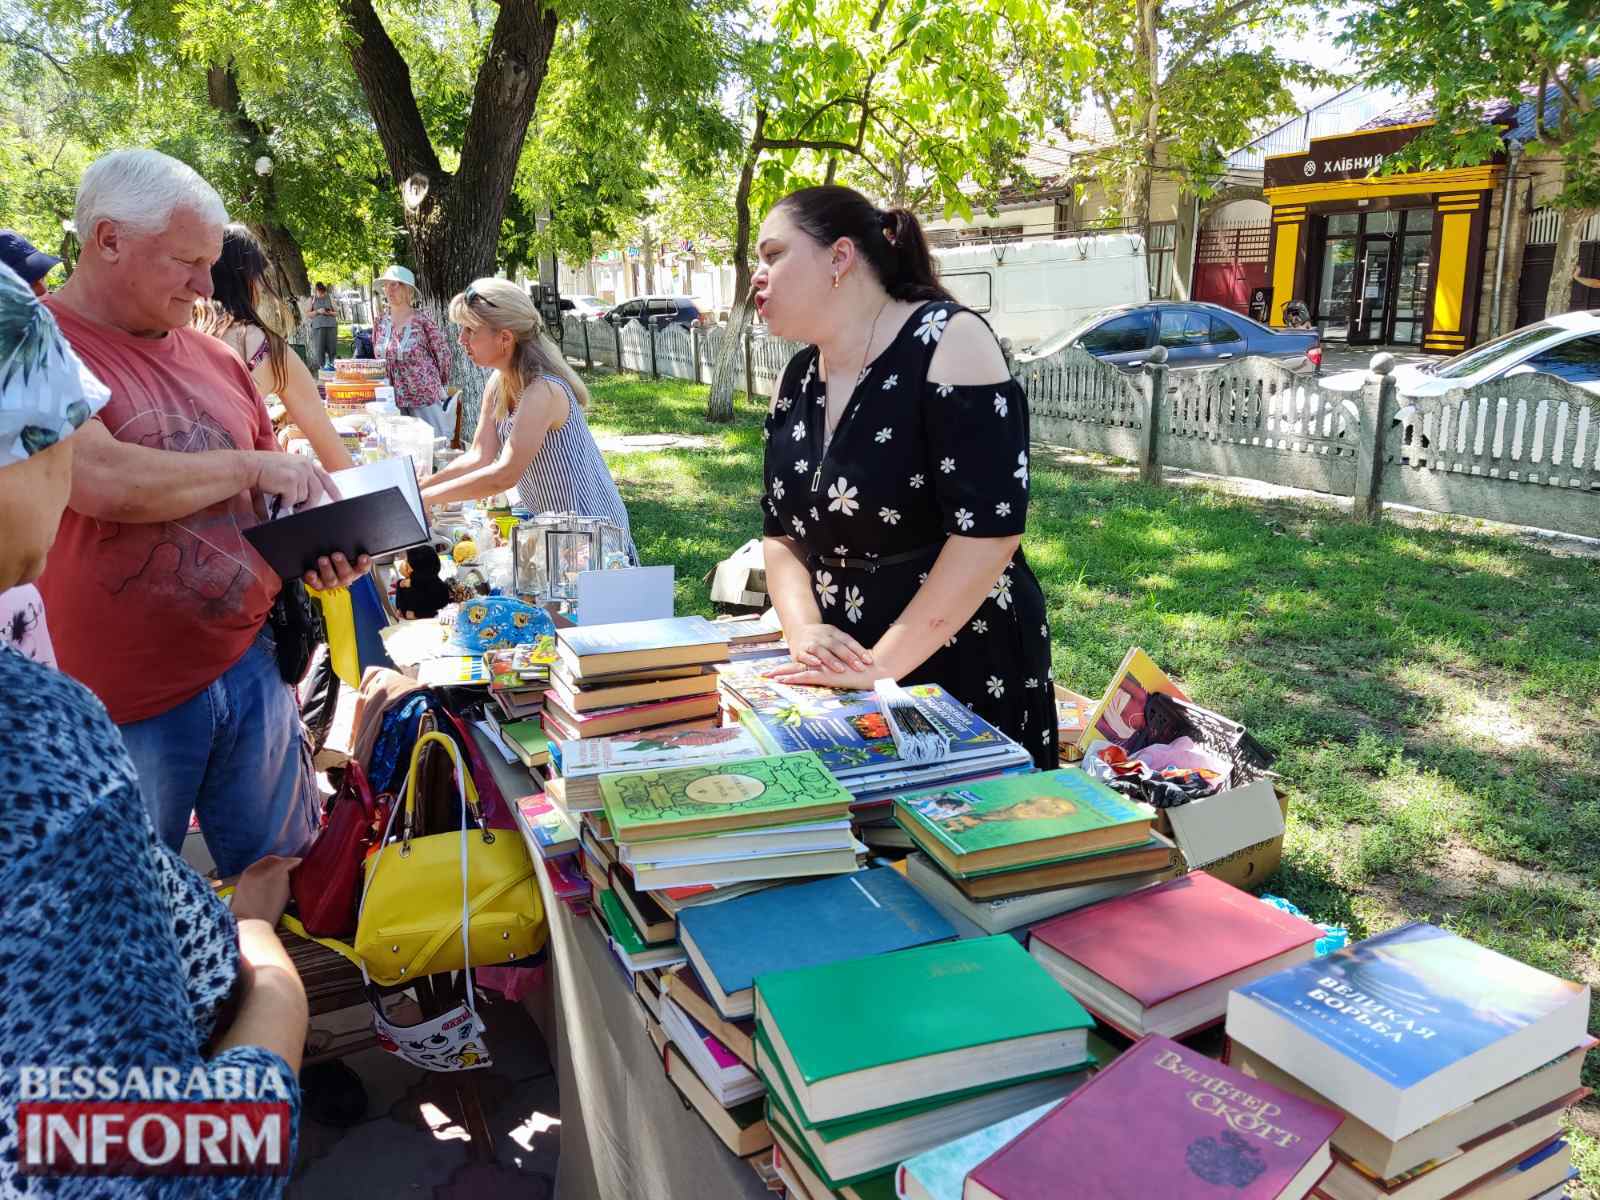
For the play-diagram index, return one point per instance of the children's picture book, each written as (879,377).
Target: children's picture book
(1119,717)
(777,790)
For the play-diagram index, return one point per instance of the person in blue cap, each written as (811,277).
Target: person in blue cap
(26,259)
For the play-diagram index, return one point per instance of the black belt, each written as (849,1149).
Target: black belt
(873,564)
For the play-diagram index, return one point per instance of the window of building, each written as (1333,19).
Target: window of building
(1161,258)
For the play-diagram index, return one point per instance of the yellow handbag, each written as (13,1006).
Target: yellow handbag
(445,901)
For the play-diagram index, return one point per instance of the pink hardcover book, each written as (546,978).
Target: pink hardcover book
(720,1054)
(1164,1120)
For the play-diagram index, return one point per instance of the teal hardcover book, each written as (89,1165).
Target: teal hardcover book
(940,1173)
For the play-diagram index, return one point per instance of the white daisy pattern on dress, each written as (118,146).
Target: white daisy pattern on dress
(799,526)
(827,589)
(963,519)
(1022,468)
(801,466)
(811,373)
(1000,404)
(980,626)
(842,551)
(932,327)
(996,686)
(1001,594)
(1030,682)
(799,431)
(947,465)
(777,487)
(1003,509)
(783,403)
(891,383)
(815,515)
(944,389)
(842,498)
(852,603)
(918,480)
(889,516)
(1044,631)
(883,435)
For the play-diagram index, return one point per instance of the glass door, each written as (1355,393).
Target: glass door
(1372,309)
(1413,277)
(1336,294)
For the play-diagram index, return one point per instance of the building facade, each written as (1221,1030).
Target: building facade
(1381,259)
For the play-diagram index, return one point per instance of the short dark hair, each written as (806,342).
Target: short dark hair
(322,287)
(890,240)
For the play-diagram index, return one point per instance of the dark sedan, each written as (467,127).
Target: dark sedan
(1195,335)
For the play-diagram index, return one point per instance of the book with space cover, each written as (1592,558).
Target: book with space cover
(1407,1026)
(1119,717)
(807,924)
(938,1174)
(1163,959)
(848,728)
(380,511)
(777,790)
(588,650)
(1164,1120)
(970,1014)
(1021,819)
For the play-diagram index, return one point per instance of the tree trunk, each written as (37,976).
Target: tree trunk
(1143,182)
(647,251)
(454,218)
(222,91)
(1559,298)
(719,407)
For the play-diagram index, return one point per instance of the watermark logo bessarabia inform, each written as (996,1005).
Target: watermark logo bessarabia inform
(88,1120)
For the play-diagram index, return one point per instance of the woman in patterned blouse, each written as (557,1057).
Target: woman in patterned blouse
(117,955)
(415,350)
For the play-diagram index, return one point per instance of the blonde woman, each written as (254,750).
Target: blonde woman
(531,433)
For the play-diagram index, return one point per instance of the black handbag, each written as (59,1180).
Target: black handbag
(296,621)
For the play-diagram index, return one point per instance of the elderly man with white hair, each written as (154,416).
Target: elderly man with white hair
(155,599)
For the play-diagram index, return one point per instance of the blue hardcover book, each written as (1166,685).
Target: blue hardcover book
(1407,1026)
(805,925)
(940,1173)
(668,641)
(848,728)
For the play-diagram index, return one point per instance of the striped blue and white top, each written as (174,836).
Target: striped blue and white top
(568,475)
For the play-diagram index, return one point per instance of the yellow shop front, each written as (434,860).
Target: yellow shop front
(1379,260)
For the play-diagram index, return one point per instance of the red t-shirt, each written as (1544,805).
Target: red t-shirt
(149,615)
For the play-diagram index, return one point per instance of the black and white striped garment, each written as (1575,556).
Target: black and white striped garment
(568,475)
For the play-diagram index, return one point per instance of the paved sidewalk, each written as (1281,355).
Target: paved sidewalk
(412,1144)
(1336,356)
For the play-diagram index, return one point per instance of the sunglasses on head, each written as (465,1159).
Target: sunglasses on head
(473,296)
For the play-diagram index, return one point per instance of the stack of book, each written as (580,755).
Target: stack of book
(1163,959)
(849,730)
(518,679)
(870,1061)
(610,679)
(778,817)
(1451,1065)
(1162,1121)
(578,765)
(998,854)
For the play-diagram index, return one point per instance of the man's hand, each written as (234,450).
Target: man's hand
(292,479)
(336,572)
(263,889)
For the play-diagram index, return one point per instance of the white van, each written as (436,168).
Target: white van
(1029,290)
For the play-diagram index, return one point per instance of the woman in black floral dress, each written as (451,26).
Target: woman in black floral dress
(896,473)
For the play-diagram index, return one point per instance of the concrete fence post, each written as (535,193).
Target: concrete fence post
(1155,396)
(1377,411)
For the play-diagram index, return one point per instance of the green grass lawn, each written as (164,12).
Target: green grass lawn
(1430,689)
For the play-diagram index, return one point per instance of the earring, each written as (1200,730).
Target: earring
(836,279)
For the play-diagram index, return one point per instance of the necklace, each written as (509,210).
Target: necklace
(872,332)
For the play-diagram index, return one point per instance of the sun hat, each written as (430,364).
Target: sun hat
(399,274)
(45,390)
(23,257)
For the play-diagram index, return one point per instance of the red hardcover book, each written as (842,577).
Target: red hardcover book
(1163,959)
(1164,1120)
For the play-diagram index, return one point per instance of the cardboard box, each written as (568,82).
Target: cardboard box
(1235,836)
(741,578)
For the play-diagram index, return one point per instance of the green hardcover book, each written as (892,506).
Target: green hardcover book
(622,929)
(1020,820)
(528,741)
(981,1011)
(781,789)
